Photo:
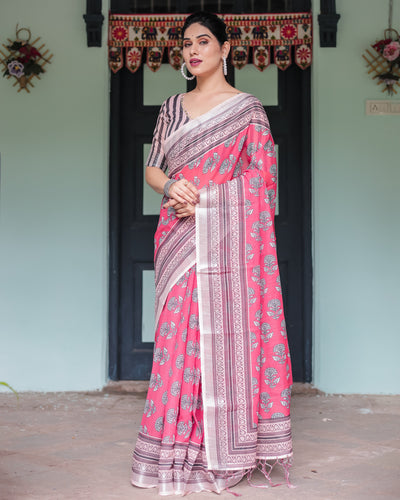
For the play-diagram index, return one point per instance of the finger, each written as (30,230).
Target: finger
(185,212)
(193,189)
(181,216)
(180,206)
(190,190)
(189,195)
(182,200)
(170,203)
(179,197)
(183,191)
(186,206)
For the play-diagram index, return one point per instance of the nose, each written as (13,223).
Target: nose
(193,49)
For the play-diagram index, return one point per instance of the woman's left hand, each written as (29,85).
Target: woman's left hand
(181,209)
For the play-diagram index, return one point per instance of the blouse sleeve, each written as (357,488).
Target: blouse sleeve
(156,156)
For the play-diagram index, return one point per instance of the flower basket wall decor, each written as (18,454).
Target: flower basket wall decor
(384,61)
(24,60)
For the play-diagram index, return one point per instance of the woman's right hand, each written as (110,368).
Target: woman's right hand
(183,191)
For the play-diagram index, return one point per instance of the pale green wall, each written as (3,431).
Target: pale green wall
(53,202)
(356,206)
(53,210)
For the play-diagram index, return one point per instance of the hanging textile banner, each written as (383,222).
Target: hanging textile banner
(272,38)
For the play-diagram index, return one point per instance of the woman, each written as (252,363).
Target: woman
(219,395)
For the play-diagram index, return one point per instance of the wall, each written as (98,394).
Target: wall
(53,210)
(356,205)
(53,203)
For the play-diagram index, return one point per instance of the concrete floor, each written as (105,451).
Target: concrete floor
(79,445)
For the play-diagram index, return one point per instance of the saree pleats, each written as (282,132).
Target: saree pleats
(170,451)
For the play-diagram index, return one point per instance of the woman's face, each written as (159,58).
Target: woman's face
(202,52)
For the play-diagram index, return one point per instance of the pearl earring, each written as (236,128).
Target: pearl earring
(183,73)
(225,66)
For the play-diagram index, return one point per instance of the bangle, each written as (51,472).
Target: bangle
(167,185)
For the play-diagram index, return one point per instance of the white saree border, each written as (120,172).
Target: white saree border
(229,431)
(204,315)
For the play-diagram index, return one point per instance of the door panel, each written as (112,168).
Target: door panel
(160,85)
(148,300)
(263,84)
(134,207)
(151,199)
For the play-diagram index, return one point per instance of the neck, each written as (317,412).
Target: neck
(211,83)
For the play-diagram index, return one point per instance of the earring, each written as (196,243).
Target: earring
(225,66)
(183,73)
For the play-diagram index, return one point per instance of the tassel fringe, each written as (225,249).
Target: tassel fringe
(266,468)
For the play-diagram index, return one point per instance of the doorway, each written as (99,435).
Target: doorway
(135,102)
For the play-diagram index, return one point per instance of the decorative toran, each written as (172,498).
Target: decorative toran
(283,33)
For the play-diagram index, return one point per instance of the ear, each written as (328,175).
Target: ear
(226,47)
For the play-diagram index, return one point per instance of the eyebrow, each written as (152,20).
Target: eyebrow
(199,36)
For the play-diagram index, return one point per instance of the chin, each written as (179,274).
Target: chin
(194,71)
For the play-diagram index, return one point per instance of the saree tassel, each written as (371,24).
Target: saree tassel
(233,492)
(262,466)
(286,463)
(227,476)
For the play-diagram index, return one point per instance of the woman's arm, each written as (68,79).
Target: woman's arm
(156,179)
(182,191)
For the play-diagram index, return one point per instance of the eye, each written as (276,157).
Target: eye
(203,42)
(187,44)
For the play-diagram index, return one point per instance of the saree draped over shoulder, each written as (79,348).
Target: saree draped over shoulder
(218,404)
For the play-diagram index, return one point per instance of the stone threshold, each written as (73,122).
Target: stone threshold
(141,386)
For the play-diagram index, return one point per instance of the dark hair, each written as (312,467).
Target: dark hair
(211,21)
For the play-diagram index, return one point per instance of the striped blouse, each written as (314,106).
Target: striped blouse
(170,118)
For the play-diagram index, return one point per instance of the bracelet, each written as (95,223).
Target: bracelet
(167,185)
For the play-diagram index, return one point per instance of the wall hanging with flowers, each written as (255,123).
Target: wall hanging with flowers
(384,62)
(23,60)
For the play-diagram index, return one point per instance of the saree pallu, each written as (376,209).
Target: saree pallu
(218,404)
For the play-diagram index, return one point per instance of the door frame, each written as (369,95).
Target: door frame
(307,224)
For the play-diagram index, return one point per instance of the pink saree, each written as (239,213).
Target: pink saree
(218,404)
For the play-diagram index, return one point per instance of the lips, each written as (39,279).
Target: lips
(195,62)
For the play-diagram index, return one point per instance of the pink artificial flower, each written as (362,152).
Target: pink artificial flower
(391,51)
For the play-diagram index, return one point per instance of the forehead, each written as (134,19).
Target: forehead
(196,29)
